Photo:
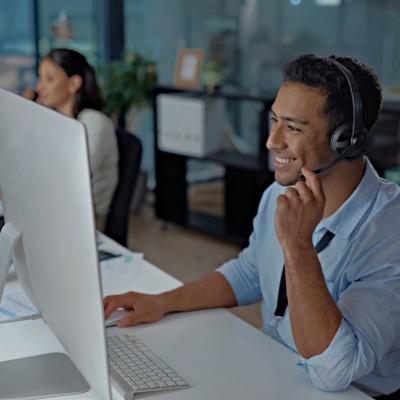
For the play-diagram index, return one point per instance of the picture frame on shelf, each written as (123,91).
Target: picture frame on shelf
(189,63)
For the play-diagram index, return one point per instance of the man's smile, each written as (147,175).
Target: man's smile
(283,162)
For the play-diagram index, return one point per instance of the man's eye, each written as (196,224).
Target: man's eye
(294,128)
(273,120)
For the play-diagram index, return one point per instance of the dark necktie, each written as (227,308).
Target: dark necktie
(282,297)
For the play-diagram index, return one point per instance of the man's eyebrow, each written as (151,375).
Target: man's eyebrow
(291,119)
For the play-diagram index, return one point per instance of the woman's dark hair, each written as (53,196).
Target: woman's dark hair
(74,63)
(320,73)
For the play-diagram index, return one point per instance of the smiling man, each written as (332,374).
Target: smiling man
(324,256)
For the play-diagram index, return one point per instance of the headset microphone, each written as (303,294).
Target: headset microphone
(349,140)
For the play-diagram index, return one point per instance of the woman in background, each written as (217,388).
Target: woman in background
(67,83)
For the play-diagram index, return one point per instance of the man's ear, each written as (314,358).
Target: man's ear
(74,83)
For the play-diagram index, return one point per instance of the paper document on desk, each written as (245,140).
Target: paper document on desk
(123,274)
(16,305)
(118,274)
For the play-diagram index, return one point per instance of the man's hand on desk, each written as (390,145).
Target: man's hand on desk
(210,292)
(144,308)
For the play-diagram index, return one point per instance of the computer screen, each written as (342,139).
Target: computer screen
(46,193)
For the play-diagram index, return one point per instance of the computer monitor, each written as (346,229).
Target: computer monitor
(49,215)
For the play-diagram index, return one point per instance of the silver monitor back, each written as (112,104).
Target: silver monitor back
(45,182)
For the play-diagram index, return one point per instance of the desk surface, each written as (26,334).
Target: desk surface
(221,356)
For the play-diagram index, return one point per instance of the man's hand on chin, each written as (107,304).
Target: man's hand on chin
(298,212)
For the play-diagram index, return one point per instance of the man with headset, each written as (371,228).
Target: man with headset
(324,256)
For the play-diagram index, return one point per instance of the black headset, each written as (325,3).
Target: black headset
(349,140)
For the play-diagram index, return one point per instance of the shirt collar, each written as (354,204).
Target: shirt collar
(345,219)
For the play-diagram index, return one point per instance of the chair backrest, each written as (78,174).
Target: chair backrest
(130,155)
(384,142)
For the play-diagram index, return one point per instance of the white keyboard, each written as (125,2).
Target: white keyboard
(134,368)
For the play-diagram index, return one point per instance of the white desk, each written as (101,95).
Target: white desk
(221,356)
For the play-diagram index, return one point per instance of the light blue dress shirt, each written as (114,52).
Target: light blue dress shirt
(361,266)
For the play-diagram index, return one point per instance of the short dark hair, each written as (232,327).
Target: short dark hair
(74,63)
(319,72)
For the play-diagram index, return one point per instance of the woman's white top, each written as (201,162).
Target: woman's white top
(103,157)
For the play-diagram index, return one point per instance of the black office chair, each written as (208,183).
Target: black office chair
(130,155)
(384,142)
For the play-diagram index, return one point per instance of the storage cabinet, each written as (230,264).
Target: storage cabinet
(246,177)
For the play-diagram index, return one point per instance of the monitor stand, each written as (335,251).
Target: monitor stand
(44,375)
(9,237)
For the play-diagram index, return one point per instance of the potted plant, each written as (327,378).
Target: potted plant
(127,85)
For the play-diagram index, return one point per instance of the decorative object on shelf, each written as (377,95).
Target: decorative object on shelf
(212,77)
(127,84)
(188,67)
(62,27)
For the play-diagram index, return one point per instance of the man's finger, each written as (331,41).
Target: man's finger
(126,301)
(282,202)
(130,320)
(114,305)
(304,192)
(107,300)
(109,309)
(291,193)
(313,182)
(293,196)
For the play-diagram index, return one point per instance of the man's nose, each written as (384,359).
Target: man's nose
(275,138)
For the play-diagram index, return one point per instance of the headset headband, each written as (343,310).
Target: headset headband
(358,123)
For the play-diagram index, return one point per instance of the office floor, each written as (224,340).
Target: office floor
(183,253)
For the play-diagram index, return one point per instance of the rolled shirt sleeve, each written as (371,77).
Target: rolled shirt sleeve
(242,275)
(368,331)
(348,357)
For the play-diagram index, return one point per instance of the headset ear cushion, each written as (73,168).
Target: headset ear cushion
(341,138)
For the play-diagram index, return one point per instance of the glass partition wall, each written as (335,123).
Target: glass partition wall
(30,28)
(17,45)
(251,40)
(247,40)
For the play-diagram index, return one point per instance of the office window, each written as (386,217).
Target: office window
(83,20)
(16,44)
(251,40)
(278,30)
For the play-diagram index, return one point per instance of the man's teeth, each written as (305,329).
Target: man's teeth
(284,160)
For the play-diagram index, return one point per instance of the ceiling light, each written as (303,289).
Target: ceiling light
(328,3)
